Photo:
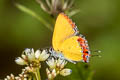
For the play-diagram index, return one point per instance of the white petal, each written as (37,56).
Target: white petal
(5,79)
(31,57)
(37,54)
(20,61)
(29,69)
(12,76)
(49,76)
(25,79)
(59,62)
(44,52)
(25,75)
(23,56)
(63,64)
(8,77)
(20,75)
(43,55)
(32,50)
(17,77)
(27,51)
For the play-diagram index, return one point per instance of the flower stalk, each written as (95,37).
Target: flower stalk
(37,74)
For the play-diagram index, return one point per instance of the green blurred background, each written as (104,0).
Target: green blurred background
(98,20)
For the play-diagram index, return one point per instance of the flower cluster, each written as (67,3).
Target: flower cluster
(32,59)
(54,7)
(23,76)
(29,57)
(56,66)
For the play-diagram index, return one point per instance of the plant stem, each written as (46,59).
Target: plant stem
(51,79)
(33,77)
(37,74)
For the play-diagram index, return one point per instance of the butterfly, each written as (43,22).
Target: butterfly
(67,42)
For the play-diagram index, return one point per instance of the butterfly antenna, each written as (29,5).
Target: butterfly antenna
(93,55)
(96,51)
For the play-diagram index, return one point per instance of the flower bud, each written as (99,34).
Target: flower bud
(66,72)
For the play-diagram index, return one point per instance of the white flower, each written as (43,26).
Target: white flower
(42,56)
(8,77)
(47,70)
(25,79)
(29,69)
(61,63)
(11,77)
(30,54)
(25,75)
(20,61)
(52,63)
(66,72)
(48,73)
(54,73)
(17,77)
(53,7)
(51,74)
(5,79)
